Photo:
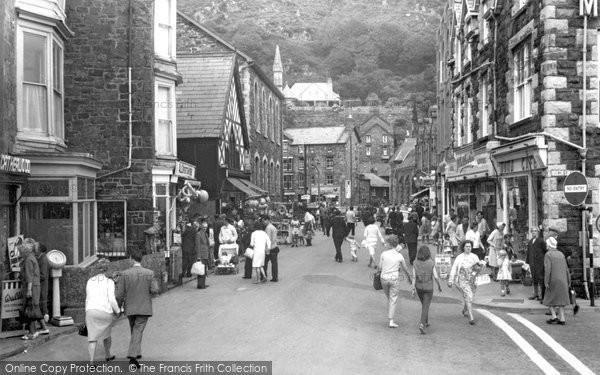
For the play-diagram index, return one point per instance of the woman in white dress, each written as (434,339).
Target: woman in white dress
(464,271)
(261,243)
(496,243)
(371,235)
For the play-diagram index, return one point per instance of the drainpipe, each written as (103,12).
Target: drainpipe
(129,95)
(583,154)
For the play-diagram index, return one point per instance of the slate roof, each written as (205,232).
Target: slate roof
(317,136)
(317,91)
(403,151)
(203,96)
(376,181)
(383,169)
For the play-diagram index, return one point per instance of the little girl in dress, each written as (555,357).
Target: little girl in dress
(354,246)
(504,272)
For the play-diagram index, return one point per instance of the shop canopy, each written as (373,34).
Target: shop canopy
(419,193)
(246,187)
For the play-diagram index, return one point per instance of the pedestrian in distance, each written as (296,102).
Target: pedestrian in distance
(296,233)
(557,280)
(390,264)
(42,258)
(273,250)
(451,230)
(135,287)
(246,244)
(425,228)
(463,274)
(483,228)
(473,236)
(202,251)
(260,242)
(351,220)
(504,272)
(101,309)
(536,249)
(411,236)
(30,273)
(371,235)
(495,243)
(354,246)
(339,230)
(424,273)
(461,231)
(435,230)
(188,240)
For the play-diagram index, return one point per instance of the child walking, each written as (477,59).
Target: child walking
(504,272)
(354,246)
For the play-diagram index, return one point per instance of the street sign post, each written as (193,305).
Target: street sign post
(576,188)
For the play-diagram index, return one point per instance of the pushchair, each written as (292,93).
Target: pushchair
(228,261)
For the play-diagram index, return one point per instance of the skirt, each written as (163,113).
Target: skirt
(258,260)
(99,324)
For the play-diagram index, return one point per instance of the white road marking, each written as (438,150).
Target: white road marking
(533,354)
(559,349)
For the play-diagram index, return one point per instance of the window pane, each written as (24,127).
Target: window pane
(50,224)
(57,67)
(163,11)
(49,188)
(58,115)
(35,108)
(34,58)
(163,39)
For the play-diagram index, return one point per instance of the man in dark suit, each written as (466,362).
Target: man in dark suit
(536,249)
(202,251)
(134,290)
(339,230)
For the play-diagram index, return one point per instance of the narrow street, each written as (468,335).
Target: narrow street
(324,317)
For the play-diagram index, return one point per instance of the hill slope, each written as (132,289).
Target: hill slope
(384,47)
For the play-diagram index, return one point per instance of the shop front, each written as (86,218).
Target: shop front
(521,167)
(470,187)
(14,172)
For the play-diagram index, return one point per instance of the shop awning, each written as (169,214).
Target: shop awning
(419,193)
(246,187)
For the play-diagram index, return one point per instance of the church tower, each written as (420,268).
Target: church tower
(278,70)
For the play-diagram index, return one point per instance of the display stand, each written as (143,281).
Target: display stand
(12,303)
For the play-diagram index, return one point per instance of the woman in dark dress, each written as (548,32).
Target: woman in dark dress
(31,288)
(245,243)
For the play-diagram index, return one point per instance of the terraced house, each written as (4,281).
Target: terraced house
(518,104)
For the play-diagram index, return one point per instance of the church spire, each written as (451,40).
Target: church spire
(278,70)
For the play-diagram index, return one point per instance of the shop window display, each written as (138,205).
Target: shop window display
(51,224)
(111,227)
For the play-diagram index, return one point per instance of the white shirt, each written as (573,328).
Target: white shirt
(372,233)
(100,294)
(309,217)
(390,263)
(260,241)
(474,237)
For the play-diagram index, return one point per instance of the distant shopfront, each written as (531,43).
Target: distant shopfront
(521,167)
(14,172)
(470,186)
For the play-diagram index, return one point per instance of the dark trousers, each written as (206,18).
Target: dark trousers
(425,296)
(201,280)
(272,256)
(479,252)
(137,324)
(216,250)
(337,242)
(188,260)
(536,282)
(351,227)
(412,251)
(248,268)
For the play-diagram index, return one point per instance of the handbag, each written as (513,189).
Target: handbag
(198,269)
(377,281)
(482,279)
(572,296)
(83,330)
(249,253)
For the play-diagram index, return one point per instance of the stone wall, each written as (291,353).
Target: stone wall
(96,100)
(74,280)
(8,79)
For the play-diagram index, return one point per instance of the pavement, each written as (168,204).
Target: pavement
(487,297)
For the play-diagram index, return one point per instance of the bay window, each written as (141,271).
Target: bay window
(40,101)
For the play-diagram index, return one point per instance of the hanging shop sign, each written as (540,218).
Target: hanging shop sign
(185,170)
(13,164)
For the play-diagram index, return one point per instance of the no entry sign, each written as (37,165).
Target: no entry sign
(576,188)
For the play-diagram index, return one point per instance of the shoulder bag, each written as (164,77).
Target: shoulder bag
(83,330)
(377,281)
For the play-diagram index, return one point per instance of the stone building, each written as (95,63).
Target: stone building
(312,94)
(263,103)
(377,146)
(402,173)
(319,163)
(518,99)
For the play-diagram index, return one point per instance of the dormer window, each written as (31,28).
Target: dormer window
(367,138)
